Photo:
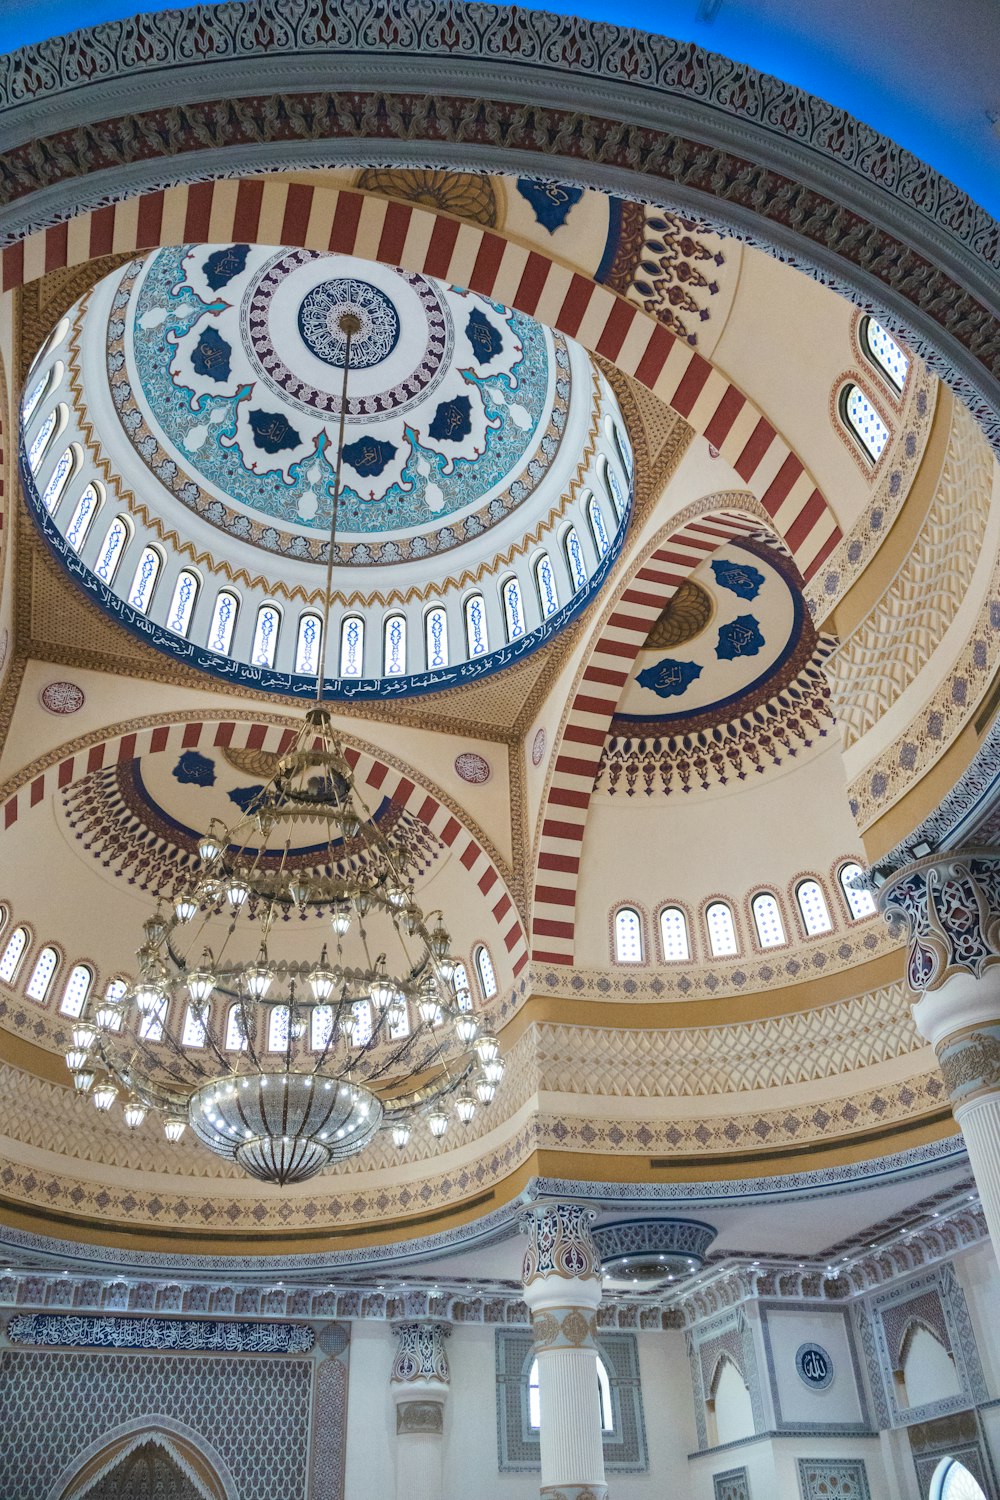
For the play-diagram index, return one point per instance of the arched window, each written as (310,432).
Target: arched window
(193,1033)
(575,560)
(399,1022)
(880,348)
(53,341)
(236,1037)
(152,1024)
(394,646)
(603,1390)
(545,582)
(477,639)
(277,1029)
(513,608)
(812,905)
(674,935)
(460,980)
(12,954)
(362,1022)
(307,644)
(628,936)
(116,989)
(352,646)
(624,451)
(436,631)
(41,975)
(860,901)
(220,635)
(265,636)
(45,383)
(613,486)
(182,603)
(116,539)
(863,421)
(599,530)
(767,920)
(485,971)
(953,1481)
(76,990)
(721,930)
(45,436)
(321,1029)
(59,479)
(144,579)
(87,507)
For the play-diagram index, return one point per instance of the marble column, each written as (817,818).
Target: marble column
(949,907)
(419,1384)
(562,1287)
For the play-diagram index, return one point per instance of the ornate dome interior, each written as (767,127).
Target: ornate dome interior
(658,641)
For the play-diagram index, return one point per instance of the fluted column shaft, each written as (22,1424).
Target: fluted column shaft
(562,1287)
(949,907)
(419,1384)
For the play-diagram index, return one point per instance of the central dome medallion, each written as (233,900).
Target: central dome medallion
(485,481)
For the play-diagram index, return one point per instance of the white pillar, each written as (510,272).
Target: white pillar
(949,906)
(562,1287)
(419,1383)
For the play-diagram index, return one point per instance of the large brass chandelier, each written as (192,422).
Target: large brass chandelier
(282,1062)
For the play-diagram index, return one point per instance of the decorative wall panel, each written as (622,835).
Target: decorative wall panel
(833,1479)
(734,1484)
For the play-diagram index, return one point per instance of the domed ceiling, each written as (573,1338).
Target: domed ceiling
(195,396)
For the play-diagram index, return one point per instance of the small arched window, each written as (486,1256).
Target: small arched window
(953,1481)
(575,560)
(152,1024)
(59,479)
(881,349)
(265,636)
(236,1028)
(87,507)
(513,608)
(362,1022)
(860,901)
(277,1029)
(41,975)
(812,905)
(863,422)
(628,936)
(321,1032)
(603,1391)
(767,920)
(436,630)
(116,989)
(394,646)
(624,452)
(220,635)
(144,579)
(613,486)
(598,528)
(460,979)
(307,644)
(43,385)
(76,990)
(477,639)
(485,971)
(721,930)
(182,602)
(116,539)
(53,341)
(45,437)
(545,582)
(399,1022)
(352,646)
(12,954)
(193,1033)
(674,935)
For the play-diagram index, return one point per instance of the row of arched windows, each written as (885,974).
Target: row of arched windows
(41,974)
(769,927)
(855,406)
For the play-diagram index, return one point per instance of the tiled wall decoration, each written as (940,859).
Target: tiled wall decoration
(734,1484)
(960,1437)
(728,1334)
(833,1479)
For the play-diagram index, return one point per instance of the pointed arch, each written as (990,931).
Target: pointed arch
(183,1452)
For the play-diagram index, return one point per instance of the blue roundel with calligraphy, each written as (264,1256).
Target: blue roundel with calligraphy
(814,1365)
(319,322)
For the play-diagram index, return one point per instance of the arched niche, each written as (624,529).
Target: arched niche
(728,1407)
(927,1371)
(149,1463)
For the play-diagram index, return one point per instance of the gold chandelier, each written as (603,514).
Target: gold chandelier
(288,1064)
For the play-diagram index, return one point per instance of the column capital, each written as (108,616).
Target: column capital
(948,905)
(420,1370)
(561,1258)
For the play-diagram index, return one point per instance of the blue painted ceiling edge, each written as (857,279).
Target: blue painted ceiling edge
(883,92)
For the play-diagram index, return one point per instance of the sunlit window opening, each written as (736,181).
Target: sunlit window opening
(220,636)
(41,975)
(477,640)
(767,920)
(144,579)
(628,936)
(953,1481)
(674,935)
(152,1024)
(436,627)
(721,930)
(277,1029)
(513,611)
(575,559)
(116,539)
(863,421)
(545,579)
(598,527)
(182,604)
(12,954)
(812,905)
(193,1033)
(485,971)
(394,646)
(59,479)
(860,901)
(76,990)
(885,354)
(43,437)
(87,507)
(236,1038)
(307,645)
(462,990)
(265,636)
(352,647)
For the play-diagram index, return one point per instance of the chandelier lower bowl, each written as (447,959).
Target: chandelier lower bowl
(284,1127)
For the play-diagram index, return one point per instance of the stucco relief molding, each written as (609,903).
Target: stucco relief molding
(560,1244)
(564,1328)
(948,907)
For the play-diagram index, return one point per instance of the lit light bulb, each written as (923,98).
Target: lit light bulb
(134,1113)
(186,908)
(340,921)
(237,891)
(485,1090)
(257,978)
(83,1035)
(148,996)
(493,1070)
(201,983)
(437,1123)
(487,1048)
(466,1029)
(108,1014)
(104,1096)
(400,1136)
(174,1128)
(428,1010)
(465,1108)
(76,1059)
(83,1080)
(209,848)
(322,982)
(382,988)
(298,1026)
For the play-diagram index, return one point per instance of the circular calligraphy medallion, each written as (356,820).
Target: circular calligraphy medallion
(323,307)
(814,1365)
(62,697)
(472,767)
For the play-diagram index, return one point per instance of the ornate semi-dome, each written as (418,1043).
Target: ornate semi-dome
(180,451)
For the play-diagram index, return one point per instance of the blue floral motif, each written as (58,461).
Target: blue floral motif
(212,356)
(272,432)
(245,797)
(196,769)
(740,637)
(669,678)
(222,265)
(452,420)
(739,578)
(484,336)
(369,455)
(551,201)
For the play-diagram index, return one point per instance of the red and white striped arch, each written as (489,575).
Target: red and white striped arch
(372,773)
(641,598)
(276,212)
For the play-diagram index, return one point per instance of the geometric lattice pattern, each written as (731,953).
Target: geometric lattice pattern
(833,1479)
(734,1484)
(253,1412)
(146,1473)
